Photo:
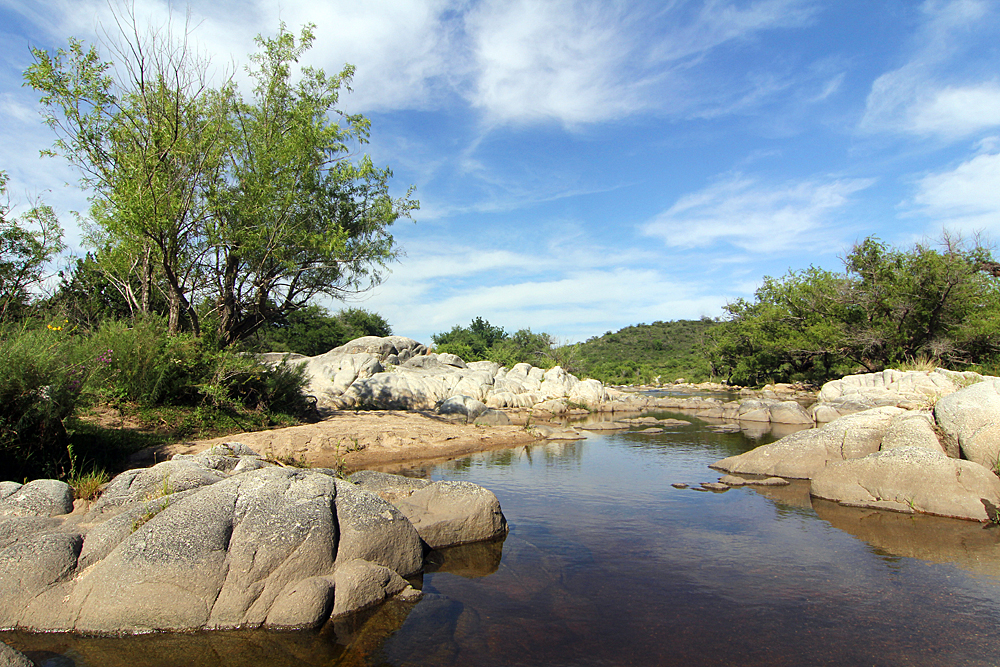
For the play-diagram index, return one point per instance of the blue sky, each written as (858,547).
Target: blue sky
(583,166)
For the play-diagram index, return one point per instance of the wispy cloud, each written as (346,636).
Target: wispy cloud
(754,216)
(948,88)
(965,198)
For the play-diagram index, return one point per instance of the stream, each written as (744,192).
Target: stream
(606,563)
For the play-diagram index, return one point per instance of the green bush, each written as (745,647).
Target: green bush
(40,385)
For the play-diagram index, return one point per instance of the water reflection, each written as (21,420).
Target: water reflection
(608,564)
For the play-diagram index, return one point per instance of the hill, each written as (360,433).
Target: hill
(643,352)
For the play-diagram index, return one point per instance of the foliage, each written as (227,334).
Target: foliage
(644,352)
(27,244)
(253,205)
(312,330)
(87,297)
(39,387)
(482,341)
(889,307)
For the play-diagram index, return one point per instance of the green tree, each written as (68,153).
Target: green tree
(27,245)
(146,134)
(293,217)
(888,307)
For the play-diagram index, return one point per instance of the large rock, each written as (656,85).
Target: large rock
(451,513)
(908,389)
(969,420)
(912,429)
(246,543)
(42,497)
(804,454)
(910,479)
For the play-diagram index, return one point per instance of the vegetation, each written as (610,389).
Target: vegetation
(888,308)
(252,206)
(644,352)
(312,330)
(215,219)
(482,341)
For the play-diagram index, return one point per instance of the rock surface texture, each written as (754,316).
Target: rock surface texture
(222,540)
(901,456)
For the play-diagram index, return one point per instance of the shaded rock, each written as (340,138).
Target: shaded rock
(451,513)
(969,420)
(679,485)
(360,584)
(491,417)
(466,406)
(805,453)
(31,566)
(42,497)
(910,479)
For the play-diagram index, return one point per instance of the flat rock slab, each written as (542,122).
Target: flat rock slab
(910,479)
(363,439)
(804,454)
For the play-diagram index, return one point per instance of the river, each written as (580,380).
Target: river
(606,563)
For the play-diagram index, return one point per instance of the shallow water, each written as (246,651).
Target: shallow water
(607,564)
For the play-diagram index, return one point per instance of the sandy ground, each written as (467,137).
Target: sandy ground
(355,440)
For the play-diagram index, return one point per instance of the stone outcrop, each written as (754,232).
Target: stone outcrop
(905,389)
(223,540)
(902,456)
(969,420)
(804,454)
(910,479)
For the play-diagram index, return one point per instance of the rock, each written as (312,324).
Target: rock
(12,658)
(8,488)
(466,406)
(804,454)
(651,430)
(769,481)
(732,480)
(679,485)
(360,585)
(42,497)
(604,426)
(909,389)
(969,420)
(754,410)
(788,412)
(491,417)
(912,429)
(715,486)
(555,433)
(910,479)
(240,547)
(451,513)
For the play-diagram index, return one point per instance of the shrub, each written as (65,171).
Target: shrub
(40,384)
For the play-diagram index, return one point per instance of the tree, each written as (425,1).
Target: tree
(293,216)
(255,206)
(27,245)
(146,136)
(889,306)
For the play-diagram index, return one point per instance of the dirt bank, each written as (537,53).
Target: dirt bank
(362,439)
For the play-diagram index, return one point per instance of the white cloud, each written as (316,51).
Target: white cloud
(753,216)
(966,198)
(941,91)
(577,61)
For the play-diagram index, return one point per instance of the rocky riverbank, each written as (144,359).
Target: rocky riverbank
(224,539)
(917,442)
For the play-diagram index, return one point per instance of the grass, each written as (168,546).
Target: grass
(88,486)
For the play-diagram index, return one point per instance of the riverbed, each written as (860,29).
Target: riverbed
(606,563)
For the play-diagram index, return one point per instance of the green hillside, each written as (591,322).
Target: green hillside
(640,353)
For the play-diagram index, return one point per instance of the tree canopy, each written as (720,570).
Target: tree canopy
(238,208)
(888,307)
